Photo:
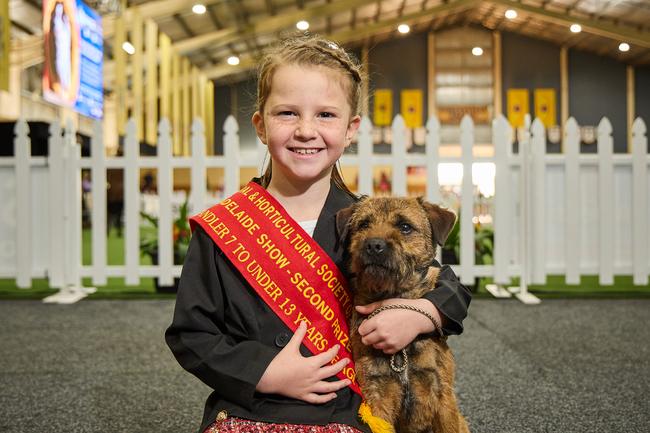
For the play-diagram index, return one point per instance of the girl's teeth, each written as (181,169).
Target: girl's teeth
(306,151)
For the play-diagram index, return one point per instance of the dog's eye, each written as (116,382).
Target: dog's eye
(363,224)
(405,228)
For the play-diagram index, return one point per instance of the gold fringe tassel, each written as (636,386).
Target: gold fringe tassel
(376,424)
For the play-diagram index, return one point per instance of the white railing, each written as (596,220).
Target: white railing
(571,213)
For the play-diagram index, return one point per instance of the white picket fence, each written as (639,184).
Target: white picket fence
(571,213)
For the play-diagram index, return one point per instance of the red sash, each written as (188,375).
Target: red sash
(285,266)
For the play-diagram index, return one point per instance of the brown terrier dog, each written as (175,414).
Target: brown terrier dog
(392,245)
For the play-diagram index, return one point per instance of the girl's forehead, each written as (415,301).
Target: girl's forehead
(295,74)
(308,86)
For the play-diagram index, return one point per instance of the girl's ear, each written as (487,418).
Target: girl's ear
(258,123)
(353,126)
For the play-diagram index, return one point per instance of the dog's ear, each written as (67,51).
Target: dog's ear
(342,220)
(441,220)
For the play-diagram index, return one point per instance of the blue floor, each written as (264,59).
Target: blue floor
(102,366)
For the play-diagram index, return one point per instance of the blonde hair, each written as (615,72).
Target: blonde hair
(310,50)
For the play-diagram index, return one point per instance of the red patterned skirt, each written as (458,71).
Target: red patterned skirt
(239,425)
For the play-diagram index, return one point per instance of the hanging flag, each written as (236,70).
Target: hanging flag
(518,106)
(5,29)
(545,106)
(383,114)
(412,107)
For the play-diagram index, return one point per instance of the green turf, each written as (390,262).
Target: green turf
(114,289)
(589,287)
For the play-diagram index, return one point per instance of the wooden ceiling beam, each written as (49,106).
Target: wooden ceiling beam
(611,31)
(23,28)
(151,10)
(452,7)
(348,36)
(265,26)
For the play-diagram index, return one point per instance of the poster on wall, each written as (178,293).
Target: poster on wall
(383,107)
(545,106)
(411,102)
(5,28)
(72,72)
(518,106)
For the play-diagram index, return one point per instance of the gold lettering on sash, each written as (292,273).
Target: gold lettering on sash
(312,290)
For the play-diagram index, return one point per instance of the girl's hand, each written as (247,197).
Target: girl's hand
(392,330)
(293,375)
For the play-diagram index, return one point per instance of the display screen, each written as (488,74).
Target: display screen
(72,72)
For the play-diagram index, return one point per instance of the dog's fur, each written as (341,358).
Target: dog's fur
(392,242)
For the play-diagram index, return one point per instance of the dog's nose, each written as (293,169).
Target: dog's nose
(375,246)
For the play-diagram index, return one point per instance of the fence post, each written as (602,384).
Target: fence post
(67,242)
(98,188)
(572,236)
(364,157)
(22,158)
(56,179)
(432,146)
(640,202)
(605,202)
(398,151)
(231,156)
(525,228)
(467,249)
(501,139)
(72,206)
(537,205)
(131,205)
(199,175)
(165,188)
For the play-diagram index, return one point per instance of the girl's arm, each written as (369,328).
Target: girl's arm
(198,338)
(229,357)
(392,330)
(303,378)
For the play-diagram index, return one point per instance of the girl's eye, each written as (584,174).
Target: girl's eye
(405,228)
(327,114)
(286,113)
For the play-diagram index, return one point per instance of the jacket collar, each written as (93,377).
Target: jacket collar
(325,231)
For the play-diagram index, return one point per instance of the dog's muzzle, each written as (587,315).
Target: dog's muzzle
(375,251)
(374,247)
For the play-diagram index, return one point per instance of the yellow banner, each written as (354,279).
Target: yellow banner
(412,107)
(383,113)
(518,106)
(545,106)
(5,29)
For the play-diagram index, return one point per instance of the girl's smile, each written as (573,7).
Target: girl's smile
(303,151)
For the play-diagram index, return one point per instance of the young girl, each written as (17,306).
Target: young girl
(264,377)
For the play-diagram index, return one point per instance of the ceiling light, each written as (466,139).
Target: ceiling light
(199,9)
(302,25)
(403,28)
(624,47)
(477,51)
(575,28)
(511,14)
(128,47)
(233,60)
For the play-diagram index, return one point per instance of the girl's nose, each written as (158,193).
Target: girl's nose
(305,130)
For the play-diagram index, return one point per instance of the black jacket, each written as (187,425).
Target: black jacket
(225,335)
